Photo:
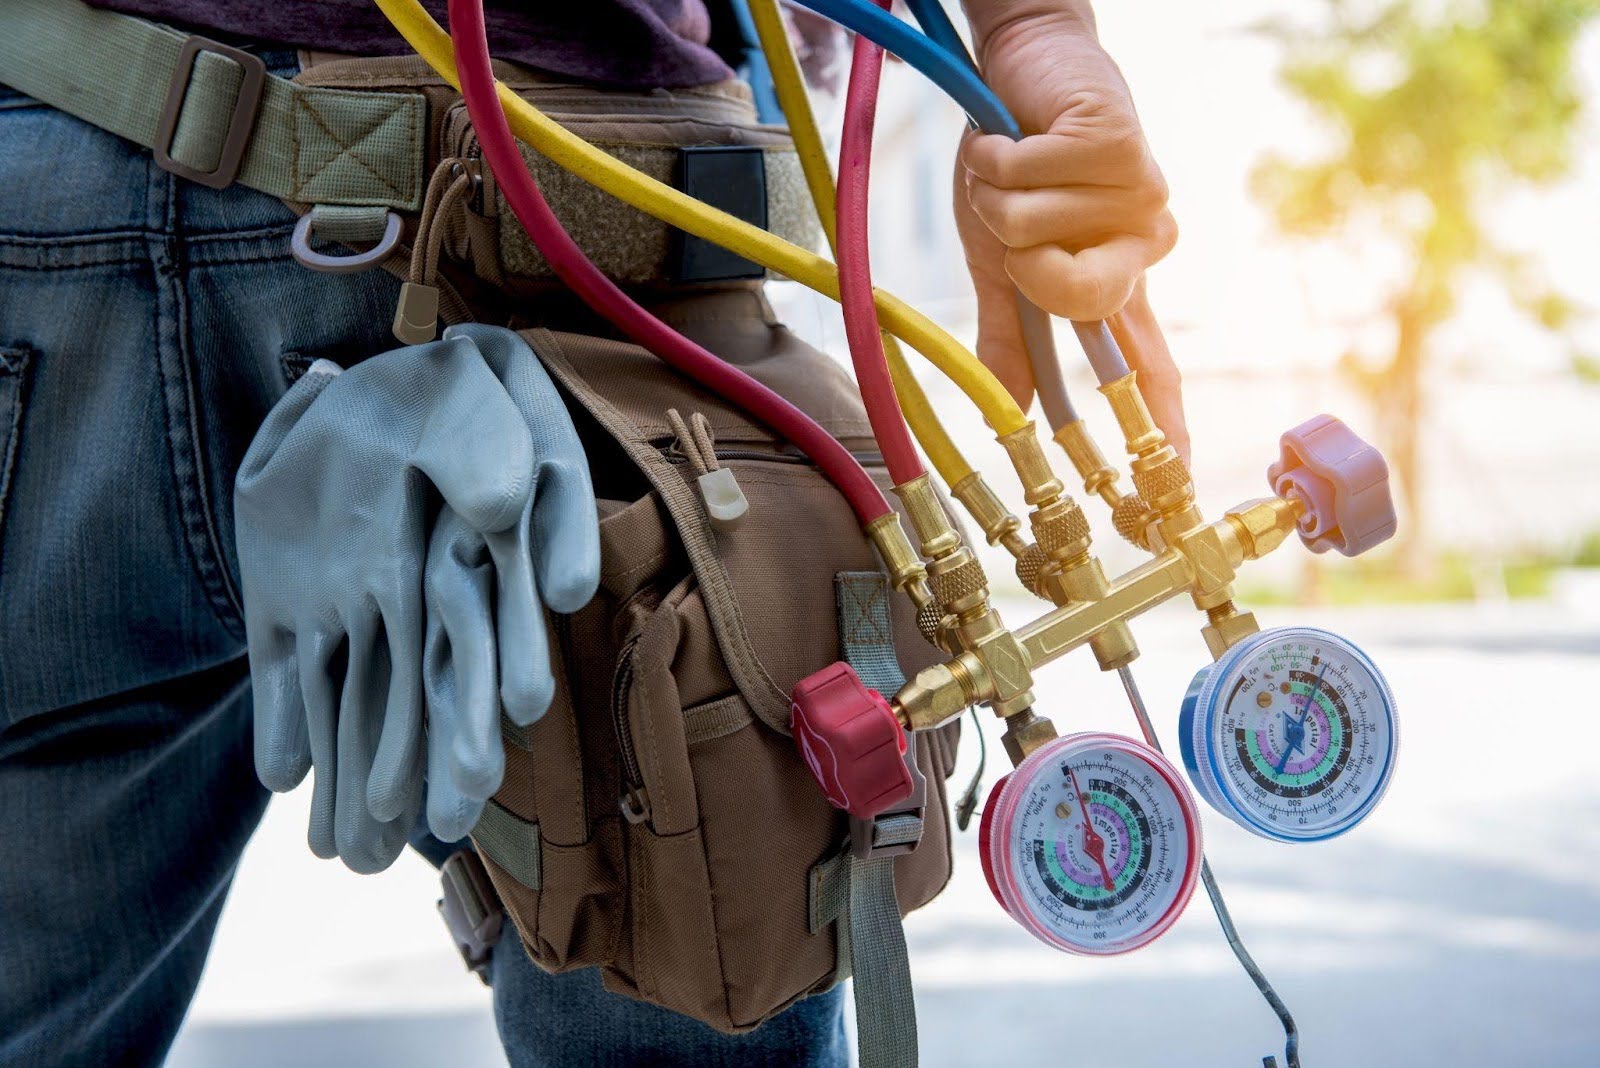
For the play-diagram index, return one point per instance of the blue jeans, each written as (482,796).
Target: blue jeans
(147,324)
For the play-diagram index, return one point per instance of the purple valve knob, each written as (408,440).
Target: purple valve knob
(1343,481)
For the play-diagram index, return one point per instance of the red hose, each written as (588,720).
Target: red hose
(605,298)
(855,265)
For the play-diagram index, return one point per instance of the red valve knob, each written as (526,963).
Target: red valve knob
(1343,481)
(851,741)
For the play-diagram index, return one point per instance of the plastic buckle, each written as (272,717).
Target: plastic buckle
(471,910)
(241,124)
(866,835)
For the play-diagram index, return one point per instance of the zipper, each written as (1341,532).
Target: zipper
(635,800)
(675,456)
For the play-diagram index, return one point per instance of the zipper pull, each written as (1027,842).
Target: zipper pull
(725,503)
(416,317)
(635,805)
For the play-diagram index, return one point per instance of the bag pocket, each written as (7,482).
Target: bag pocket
(724,828)
(721,825)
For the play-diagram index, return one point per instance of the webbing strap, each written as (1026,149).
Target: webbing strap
(317,146)
(872,937)
(865,637)
(511,842)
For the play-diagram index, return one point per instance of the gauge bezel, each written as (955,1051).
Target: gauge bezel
(1004,802)
(1199,714)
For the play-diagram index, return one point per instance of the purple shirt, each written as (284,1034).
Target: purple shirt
(624,43)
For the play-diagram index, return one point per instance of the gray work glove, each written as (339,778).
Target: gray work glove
(331,508)
(487,646)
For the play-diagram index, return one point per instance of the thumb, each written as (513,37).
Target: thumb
(1001,345)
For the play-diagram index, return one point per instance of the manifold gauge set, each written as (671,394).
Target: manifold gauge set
(1093,842)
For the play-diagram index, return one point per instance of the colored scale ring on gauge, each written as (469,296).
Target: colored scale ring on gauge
(1322,740)
(1132,836)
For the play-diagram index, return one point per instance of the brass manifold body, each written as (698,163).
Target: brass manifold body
(993,665)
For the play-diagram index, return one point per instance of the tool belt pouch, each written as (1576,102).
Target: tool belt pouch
(672,137)
(658,822)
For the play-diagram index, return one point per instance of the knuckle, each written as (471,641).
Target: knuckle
(1124,143)
(1151,191)
(1165,234)
(1082,294)
(1010,221)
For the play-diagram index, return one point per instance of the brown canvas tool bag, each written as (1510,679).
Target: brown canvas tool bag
(658,823)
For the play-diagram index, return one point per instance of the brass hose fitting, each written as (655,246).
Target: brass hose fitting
(1039,483)
(1129,514)
(929,522)
(1099,476)
(1163,483)
(1133,518)
(1064,570)
(1030,569)
(906,572)
(1025,732)
(930,621)
(999,526)
(988,654)
(1159,475)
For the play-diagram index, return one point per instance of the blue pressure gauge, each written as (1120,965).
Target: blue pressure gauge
(1291,735)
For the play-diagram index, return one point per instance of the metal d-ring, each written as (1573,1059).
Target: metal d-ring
(300,246)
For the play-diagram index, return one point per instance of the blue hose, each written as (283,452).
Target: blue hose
(942,56)
(957,77)
(757,73)
(935,22)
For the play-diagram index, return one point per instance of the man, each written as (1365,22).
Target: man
(147,325)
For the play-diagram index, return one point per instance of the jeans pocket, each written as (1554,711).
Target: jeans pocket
(15,361)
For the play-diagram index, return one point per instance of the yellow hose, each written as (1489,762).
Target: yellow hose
(572,153)
(796,103)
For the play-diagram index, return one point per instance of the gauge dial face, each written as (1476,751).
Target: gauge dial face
(1092,844)
(1292,734)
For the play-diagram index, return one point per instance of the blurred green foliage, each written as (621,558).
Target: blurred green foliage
(1434,109)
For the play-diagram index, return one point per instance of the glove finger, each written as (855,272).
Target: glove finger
(566,536)
(365,844)
(319,666)
(282,749)
(566,532)
(459,670)
(395,779)
(526,681)
(280,421)
(475,447)
(451,814)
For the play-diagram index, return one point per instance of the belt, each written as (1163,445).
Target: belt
(350,142)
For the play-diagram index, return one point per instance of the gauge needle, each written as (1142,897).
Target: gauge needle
(1093,844)
(1294,731)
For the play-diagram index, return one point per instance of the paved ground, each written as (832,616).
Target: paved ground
(1460,927)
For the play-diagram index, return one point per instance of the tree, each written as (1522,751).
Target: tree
(1436,109)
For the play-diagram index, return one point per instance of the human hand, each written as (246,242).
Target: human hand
(1072,214)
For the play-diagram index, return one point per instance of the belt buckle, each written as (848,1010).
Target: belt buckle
(471,910)
(241,124)
(865,834)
